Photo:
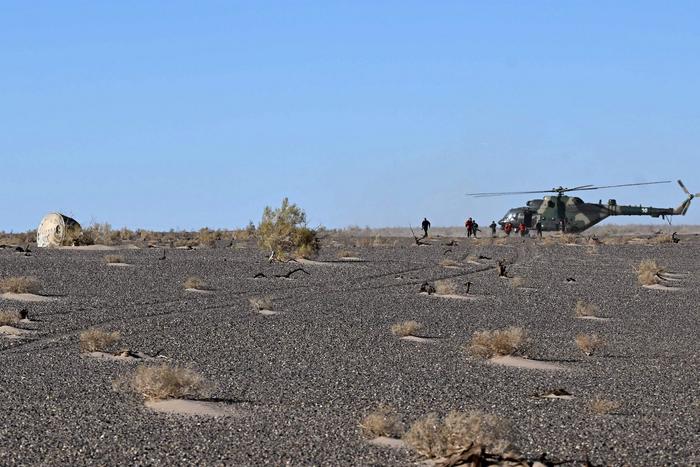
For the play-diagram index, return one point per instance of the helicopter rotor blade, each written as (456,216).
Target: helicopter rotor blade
(561,189)
(624,184)
(576,188)
(505,193)
(683,188)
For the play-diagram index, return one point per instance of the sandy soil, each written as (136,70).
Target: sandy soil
(520,362)
(306,376)
(192,408)
(385,442)
(13,332)
(423,340)
(98,247)
(26,297)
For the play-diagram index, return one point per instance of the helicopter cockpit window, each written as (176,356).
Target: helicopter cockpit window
(511,215)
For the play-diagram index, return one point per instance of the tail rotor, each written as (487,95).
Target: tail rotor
(684,207)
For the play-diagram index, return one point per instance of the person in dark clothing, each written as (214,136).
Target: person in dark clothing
(475,228)
(426,225)
(493,227)
(538,228)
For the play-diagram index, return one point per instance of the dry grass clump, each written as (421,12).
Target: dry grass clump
(445,287)
(589,343)
(194,282)
(568,239)
(407,328)
(114,259)
(517,281)
(459,431)
(603,406)
(345,254)
(586,309)
(660,239)
(648,272)
(97,340)
(168,382)
(8,317)
(20,284)
(449,263)
(261,303)
(616,240)
(499,342)
(381,422)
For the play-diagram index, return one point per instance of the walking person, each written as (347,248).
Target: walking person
(522,229)
(469,224)
(475,228)
(425,225)
(508,228)
(493,228)
(538,228)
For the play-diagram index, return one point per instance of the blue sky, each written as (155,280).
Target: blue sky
(188,114)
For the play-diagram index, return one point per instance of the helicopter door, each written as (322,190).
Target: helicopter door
(528,219)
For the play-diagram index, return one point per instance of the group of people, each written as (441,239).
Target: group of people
(472,228)
(522,229)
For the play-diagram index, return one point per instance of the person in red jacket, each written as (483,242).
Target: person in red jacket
(508,228)
(522,229)
(469,224)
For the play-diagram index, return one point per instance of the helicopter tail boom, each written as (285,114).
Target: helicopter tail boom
(616,210)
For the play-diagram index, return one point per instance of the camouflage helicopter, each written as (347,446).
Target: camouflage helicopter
(565,213)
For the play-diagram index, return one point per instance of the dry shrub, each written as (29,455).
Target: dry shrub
(381,422)
(585,309)
(517,281)
(549,240)
(207,237)
(499,342)
(20,284)
(345,254)
(168,382)
(8,317)
(378,241)
(283,232)
(407,328)
(194,282)
(114,259)
(617,240)
(567,239)
(97,340)
(603,406)
(445,287)
(660,239)
(459,431)
(589,343)
(449,263)
(648,272)
(261,303)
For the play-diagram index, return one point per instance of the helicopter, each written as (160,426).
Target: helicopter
(564,213)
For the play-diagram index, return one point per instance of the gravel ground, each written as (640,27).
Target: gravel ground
(304,378)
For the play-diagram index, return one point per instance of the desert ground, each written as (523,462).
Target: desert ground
(293,387)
